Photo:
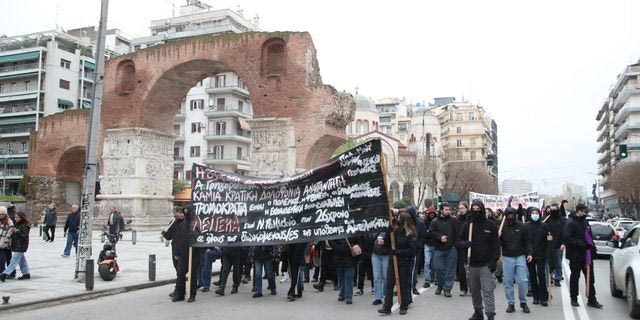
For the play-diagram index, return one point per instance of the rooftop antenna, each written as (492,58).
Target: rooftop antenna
(357,90)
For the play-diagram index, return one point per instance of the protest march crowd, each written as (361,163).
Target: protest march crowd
(476,246)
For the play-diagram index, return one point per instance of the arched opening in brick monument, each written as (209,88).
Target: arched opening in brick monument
(70,173)
(322,150)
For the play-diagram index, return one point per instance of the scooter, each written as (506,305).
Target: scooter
(107,264)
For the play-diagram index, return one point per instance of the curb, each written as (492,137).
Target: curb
(50,302)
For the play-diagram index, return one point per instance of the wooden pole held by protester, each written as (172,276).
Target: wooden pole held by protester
(392,235)
(470,237)
(588,278)
(190,271)
(501,226)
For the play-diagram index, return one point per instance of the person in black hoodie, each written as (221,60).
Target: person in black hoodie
(485,251)
(19,246)
(380,262)
(556,222)
(463,209)
(50,220)
(345,263)
(295,259)
(539,238)
(406,245)
(232,258)
(71,227)
(516,252)
(429,248)
(421,237)
(580,251)
(181,238)
(170,234)
(443,232)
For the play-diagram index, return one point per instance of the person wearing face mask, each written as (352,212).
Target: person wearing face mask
(539,238)
(443,231)
(463,217)
(556,223)
(485,251)
(580,251)
(516,252)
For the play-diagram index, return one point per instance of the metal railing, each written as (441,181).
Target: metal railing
(4,151)
(17,129)
(178,158)
(8,88)
(212,156)
(22,107)
(225,108)
(13,172)
(241,133)
(18,67)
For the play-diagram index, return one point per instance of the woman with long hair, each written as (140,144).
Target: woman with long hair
(406,244)
(19,245)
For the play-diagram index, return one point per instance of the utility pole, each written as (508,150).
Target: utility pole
(91,160)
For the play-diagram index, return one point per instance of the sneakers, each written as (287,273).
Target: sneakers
(491,315)
(511,309)
(556,283)
(25,277)
(544,303)
(234,290)
(216,283)
(438,291)
(349,302)
(416,292)
(319,287)
(285,278)
(205,289)
(191,299)
(525,308)
(176,299)
(3,277)
(536,301)
(340,299)
(594,304)
(257,295)
(464,293)
(359,292)
(574,302)
(403,312)
(426,285)
(447,293)
(376,302)
(246,279)
(384,311)
(477,315)
(220,292)
(67,256)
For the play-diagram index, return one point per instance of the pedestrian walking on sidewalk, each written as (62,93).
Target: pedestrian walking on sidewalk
(50,220)
(115,222)
(71,227)
(580,251)
(540,239)
(19,246)
(6,228)
(444,231)
(485,251)
(516,253)
(170,234)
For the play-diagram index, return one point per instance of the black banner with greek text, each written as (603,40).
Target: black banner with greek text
(344,197)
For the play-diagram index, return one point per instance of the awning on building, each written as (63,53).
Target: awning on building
(86,104)
(89,65)
(17,76)
(17,161)
(244,125)
(243,167)
(65,103)
(20,57)
(17,120)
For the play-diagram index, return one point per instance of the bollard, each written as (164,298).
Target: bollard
(134,235)
(41,232)
(152,267)
(88,276)
(102,238)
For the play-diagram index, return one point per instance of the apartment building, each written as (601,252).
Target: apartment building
(211,127)
(618,131)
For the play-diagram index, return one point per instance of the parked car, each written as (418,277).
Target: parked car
(624,270)
(622,226)
(602,233)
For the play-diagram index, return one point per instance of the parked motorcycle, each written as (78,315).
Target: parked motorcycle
(107,264)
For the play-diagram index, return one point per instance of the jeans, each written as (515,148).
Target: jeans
(380,266)
(72,238)
(17,259)
(301,274)
(446,266)
(515,269)
(557,273)
(345,282)
(428,255)
(204,276)
(257,278)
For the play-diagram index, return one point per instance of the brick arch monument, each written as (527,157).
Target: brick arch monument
(298,121)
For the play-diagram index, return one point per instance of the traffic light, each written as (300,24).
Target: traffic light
(622,151)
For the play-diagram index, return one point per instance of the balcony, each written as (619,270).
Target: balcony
(13,174)
(178,136)
(10,110)
(604,158)
(623,131)
(624,112)
(178,160)
(16,131)
(234,88)
(629,71)
(180,115)
(623,96)
(604,169)
(603,146)
(604,134)
(237,136)
(19,70)
(603,121)
(217,160)
(226,111)
(15,90)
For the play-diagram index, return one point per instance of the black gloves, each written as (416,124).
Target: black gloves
(493,266)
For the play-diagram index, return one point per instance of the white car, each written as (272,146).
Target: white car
(603,233)
(622,226)
(624,270)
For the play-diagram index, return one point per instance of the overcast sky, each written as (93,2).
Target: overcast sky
(540,68)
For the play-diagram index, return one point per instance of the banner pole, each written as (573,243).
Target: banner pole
(190,271)
(383,167)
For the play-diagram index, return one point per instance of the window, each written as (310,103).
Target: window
(359,125)
(459,143)
(473,155)
(220,81)
(472,116)
(64,84)
(176,153)
(473,141)
(240,105)
(197,104)
(220,103)
(221,128)
(25,147)
(26,85)
(195,151)
(458,130)
(196,127)
(366,126)
(241,83)
(65,64)
(459,116)
(218,152)
(188,175)
(239,153)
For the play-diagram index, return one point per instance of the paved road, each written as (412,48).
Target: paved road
(154,304)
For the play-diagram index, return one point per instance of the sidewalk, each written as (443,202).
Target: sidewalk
(52,275)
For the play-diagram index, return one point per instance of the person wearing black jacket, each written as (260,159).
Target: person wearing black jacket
(516,252)
(50,220)
(181,239)
(485,251)
(71,227)
(421,235)
(19,246)
(295,259)
(463,209)
(365,266)
(345,262)
(443,231)
(428,248)
(380,262)
(263,257)
(170,234)
(556,222)
(580,251)
(539,238)
(232,258)
(406,245)
(327,271)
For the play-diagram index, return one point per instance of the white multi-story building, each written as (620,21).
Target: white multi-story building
(618,127)
(40,74)
(515,186)
(211,127)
